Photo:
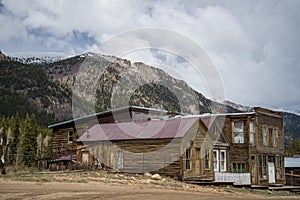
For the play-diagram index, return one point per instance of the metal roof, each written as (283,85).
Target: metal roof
(151,129)
(106,112)
(292,162)
(221,114)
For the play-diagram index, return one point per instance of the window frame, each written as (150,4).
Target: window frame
(279,167)
(239,167)
(188,157)
(70,136)
(216,161)
(207,159)
(265,135)
(252,133)
(263,167)
(275,137)
(225,160)
(237,134)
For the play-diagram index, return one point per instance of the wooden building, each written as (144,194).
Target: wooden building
(292,170)
(178,147)
(242,148)
(256,145)
(66,133)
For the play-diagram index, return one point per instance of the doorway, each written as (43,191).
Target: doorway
(271,170)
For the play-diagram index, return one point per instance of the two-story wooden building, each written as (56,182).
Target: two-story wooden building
(256,145)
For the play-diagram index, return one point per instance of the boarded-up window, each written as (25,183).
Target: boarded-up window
(263,167)
(207,159)
(120,159)
(265,136)
(252,133)
(275,137)
(188,159)
(70,136)
(238,132)
(271,136)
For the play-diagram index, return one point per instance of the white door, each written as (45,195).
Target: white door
(271,170)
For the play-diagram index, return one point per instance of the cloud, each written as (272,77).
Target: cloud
(254,45)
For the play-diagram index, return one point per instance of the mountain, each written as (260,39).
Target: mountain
(38,57)
(101,82)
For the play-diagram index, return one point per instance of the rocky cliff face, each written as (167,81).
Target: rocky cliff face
(109,82)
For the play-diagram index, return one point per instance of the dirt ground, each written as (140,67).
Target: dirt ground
(107,186)
(33,190)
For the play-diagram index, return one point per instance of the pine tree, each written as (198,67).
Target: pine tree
(294,148)
(29,144)
(13,147)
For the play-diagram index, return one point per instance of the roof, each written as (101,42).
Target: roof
(151,129)
(292,162)
(210,115)
(127,108)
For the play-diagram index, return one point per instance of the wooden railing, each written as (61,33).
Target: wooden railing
(236,178)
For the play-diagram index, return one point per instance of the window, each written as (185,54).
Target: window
(219,160)
(120,159)
(223,161)
(252,133)
(275,137)
(238,132)
(198,153)
(265,137)
(278,165)
(262,167)
(238,167)
(207,159)
(188,159)
(70,136)
(270,137)
(216,160)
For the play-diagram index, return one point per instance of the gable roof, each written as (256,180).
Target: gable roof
(151,129)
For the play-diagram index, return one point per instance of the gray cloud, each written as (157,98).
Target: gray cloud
(254,44)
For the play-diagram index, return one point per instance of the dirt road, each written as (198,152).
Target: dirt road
(56,190)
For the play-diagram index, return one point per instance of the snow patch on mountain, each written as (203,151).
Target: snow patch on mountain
(38,57)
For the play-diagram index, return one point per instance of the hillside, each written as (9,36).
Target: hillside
(102,82)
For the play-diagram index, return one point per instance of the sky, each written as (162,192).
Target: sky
(254,45)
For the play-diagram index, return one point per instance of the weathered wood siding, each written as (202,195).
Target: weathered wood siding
(197,139)
(60,144)
(139,156)
(270,122)
(239,153)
